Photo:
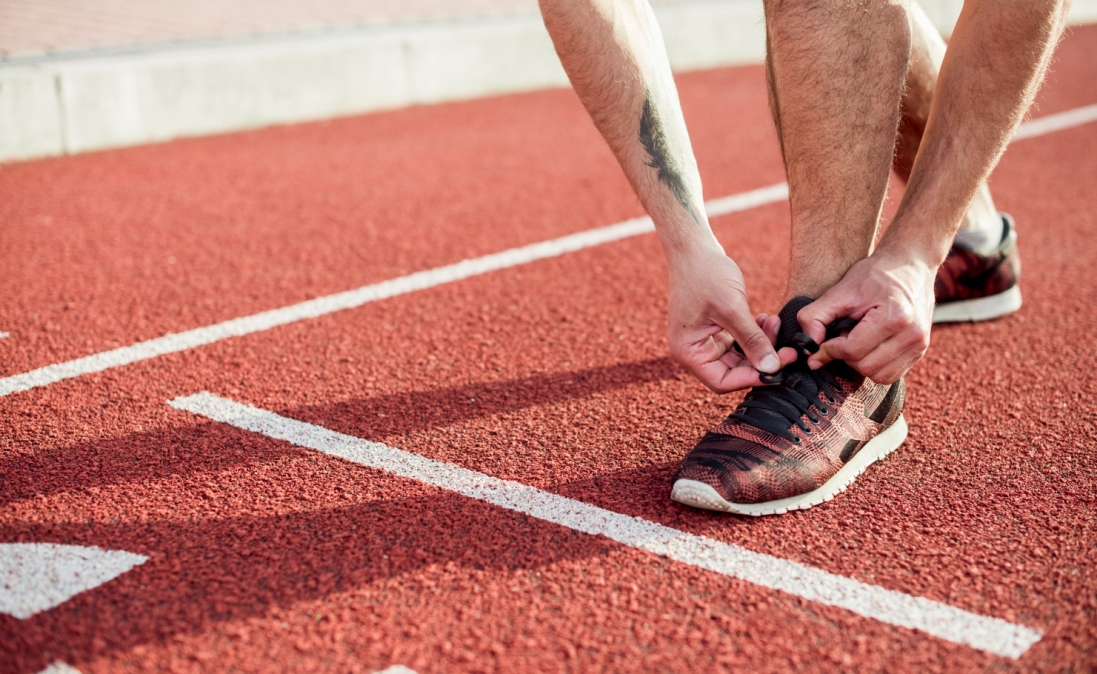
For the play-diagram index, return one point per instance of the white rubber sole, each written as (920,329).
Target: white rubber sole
(981,309)
(701,495)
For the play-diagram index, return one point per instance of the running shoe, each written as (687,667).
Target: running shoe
(797,441)
(974,287)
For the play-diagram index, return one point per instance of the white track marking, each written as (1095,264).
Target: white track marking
(5,335)
(60,668)
(237,327)
(35,577)
(1056,122)
(941,620)
(744,201)
(396,669)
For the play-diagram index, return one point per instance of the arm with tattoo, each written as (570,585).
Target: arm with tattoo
(655,144)
(613,53)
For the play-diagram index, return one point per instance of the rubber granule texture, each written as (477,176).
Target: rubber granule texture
(267,557)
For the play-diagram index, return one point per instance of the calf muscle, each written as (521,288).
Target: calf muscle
(836,72)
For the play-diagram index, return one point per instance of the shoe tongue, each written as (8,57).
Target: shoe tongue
(790,327)
(797,376)
(799,379)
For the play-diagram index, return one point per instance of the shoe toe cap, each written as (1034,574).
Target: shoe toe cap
(740,473)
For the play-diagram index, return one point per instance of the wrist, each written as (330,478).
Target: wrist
(684,248)
(917,244)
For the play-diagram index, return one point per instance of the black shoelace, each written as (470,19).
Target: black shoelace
(792,393)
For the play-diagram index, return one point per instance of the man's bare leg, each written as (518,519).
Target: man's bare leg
(996,59)
(981,228)
(837,125)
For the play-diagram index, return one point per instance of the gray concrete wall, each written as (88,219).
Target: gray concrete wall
(80,102)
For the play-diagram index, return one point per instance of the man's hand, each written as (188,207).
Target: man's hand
(892,298)
(708,312)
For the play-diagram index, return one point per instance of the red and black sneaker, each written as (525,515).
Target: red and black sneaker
(796,442)
(974,287)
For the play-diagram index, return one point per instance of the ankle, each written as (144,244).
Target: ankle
(981,228)
(981,233)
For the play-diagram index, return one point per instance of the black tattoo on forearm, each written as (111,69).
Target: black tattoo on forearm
(655,143)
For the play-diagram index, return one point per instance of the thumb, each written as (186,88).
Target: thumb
(757,347)
(815,317)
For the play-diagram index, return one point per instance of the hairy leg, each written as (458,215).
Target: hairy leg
(996,59)
(836,71)
(981,228)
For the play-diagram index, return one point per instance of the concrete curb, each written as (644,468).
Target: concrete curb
(71,103)
(76,104)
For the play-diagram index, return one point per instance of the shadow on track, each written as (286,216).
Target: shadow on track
(206,568)
(205,448)
(204,573)
(376,418)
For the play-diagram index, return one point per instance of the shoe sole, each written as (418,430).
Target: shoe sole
(980,309)
(701,495)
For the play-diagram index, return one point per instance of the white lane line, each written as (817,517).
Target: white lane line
(5,335)
(396,669)
(59,667)
(35,577)
(237,327)
(941,620)
(1056,122)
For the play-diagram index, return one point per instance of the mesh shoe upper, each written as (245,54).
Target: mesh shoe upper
(967,275)
(790,437)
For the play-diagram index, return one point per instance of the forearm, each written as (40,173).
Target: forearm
(995,62)
(613,53)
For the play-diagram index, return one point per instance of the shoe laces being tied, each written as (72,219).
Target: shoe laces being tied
(792,394)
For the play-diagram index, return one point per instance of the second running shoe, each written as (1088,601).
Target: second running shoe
(974,287)
(797,442)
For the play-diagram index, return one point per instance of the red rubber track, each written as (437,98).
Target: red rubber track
(266,557)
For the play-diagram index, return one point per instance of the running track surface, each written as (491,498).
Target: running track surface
(266,556)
